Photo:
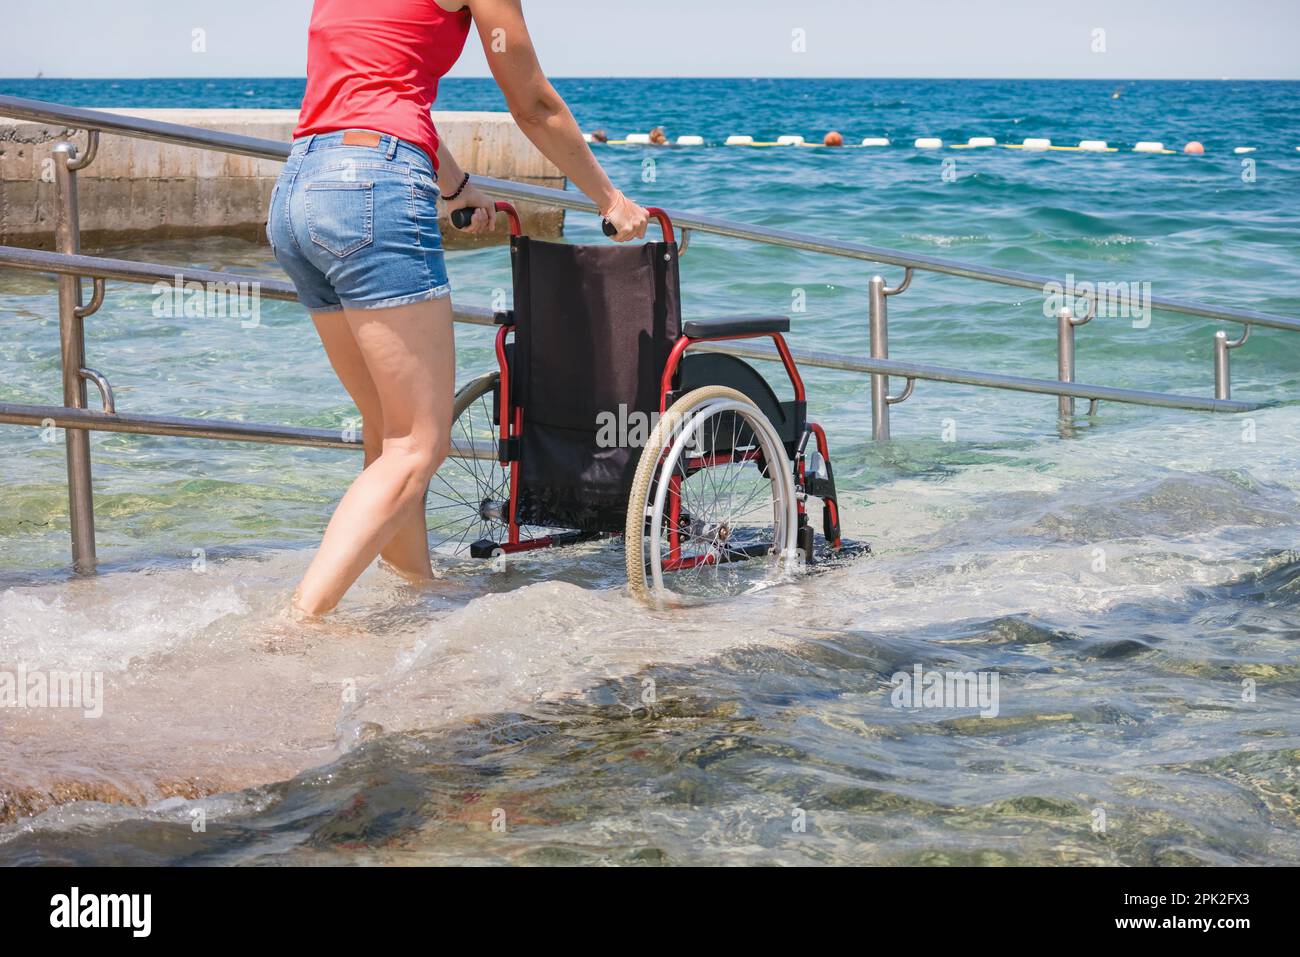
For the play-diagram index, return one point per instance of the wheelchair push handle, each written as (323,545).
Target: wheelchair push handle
(608,228)
(461,218)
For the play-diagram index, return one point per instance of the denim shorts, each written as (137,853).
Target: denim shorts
(357,226)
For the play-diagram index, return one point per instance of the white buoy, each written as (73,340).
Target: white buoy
(1244,149)
(789,141)
(690,141)
(1148,147)
(884,141)
(638,139)
(738,140)
(981,141)
(928,143)
(1094,146)
(1036,143)
(588,137)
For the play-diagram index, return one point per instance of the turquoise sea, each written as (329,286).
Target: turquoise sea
(1133,581)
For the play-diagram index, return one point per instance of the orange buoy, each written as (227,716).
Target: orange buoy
(1194,148)
(833,139)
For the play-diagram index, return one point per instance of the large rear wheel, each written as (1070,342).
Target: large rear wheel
(468,503)
(712,513)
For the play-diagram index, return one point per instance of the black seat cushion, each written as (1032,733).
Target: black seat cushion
(726,326)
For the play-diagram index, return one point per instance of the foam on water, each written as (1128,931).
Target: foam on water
(210,688)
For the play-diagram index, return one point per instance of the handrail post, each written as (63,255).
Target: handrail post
(1065,358)
(879,350)
(1223,362)
(72,349)
(1222,367)
(878,294)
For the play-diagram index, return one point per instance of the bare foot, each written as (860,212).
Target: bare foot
(293,629)
(411,578)
(302,617)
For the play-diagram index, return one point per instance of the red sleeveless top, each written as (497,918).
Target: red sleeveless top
(375,65)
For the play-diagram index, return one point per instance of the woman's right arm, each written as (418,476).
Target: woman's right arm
(543,115)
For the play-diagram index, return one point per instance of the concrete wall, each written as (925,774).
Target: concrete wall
(141,189)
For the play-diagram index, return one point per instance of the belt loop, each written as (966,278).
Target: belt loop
(311,138)
(392,147)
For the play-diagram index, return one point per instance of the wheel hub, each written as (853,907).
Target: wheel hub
(701,531)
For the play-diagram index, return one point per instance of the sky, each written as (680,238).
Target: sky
(1212,39)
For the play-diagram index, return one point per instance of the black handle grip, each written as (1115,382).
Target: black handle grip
(608,228)
(461,218)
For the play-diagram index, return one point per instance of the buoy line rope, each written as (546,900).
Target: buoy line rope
(835,140)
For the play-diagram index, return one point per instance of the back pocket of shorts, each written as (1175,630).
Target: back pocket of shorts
(341,216)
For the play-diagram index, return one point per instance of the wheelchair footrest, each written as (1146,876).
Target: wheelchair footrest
(823,556)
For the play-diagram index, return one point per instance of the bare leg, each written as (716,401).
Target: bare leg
(408,550)
(409,352)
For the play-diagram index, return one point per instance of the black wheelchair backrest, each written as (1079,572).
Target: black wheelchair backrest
(594,326)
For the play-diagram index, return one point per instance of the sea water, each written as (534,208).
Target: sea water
(1133,582)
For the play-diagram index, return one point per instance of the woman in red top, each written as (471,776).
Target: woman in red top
(354,223)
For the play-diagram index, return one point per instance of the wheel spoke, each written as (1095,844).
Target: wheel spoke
(460,489)
(729,506)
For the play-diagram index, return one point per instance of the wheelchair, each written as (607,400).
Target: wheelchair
(598,422)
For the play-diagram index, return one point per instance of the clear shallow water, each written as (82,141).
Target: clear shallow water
(424,716)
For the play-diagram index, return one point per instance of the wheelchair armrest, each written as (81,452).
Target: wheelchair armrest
(730,327)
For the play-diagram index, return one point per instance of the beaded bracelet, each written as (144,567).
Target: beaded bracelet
(459,190)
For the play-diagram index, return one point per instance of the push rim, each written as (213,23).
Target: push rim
(716,513)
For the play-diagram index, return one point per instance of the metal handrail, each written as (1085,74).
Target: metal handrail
(987,380)
(80,118)
(224,430)
(39,261)
(96,267)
